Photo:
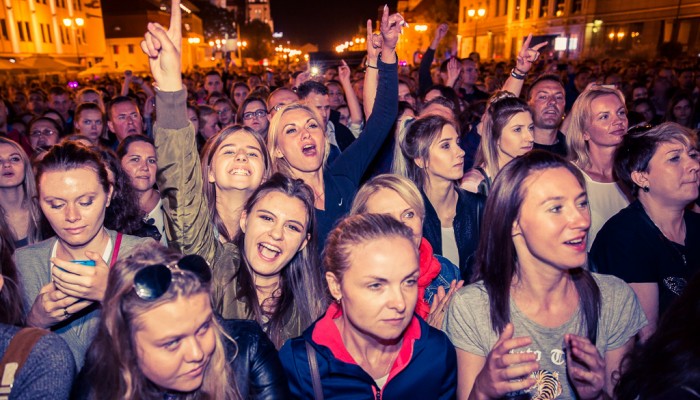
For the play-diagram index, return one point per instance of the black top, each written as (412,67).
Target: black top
(631,247)
(467,228)
(559,146)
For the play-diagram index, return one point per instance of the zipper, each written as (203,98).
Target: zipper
(378,394)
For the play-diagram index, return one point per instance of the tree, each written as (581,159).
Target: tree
(258,36)
(216,22)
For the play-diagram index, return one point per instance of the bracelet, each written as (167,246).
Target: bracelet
(517,75)
(367,65)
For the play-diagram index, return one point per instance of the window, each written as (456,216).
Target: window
(48,33)
(67,35)
(29,32)
(528,9)
(498,8)
(464,14)
(544,8)
(130,47)
(576,6)
(43,35)
(63,35)
(115,49)
(3,26)
(21,32)
(559,8)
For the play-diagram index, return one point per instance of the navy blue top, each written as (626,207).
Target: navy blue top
(342,178)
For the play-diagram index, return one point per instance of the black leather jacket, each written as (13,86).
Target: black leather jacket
(256,366)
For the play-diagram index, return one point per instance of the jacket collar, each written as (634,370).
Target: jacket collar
(326,333)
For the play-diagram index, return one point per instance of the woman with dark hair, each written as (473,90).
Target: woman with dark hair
(594,130)
(48,371)
(64,277)
(269,272)
(90,121)
(653,243)
(44,132)
(123,213)
(18,194)
(160,339)
(434,161)
(535,315)
(667,365)
(253,114)
(369,344)
(506,131)
(137,154)
(680,110)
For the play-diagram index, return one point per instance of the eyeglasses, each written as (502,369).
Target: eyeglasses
(256,114)
(641,128)
(277,107)
(45,132)
(153,281)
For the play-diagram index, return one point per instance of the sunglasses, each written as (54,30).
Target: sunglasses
(153,281)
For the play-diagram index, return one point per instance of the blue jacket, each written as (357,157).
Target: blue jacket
(426,367)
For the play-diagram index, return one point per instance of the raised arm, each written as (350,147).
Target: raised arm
(350,96)
(369,90)
(526,57)
(179,173)
(425,80)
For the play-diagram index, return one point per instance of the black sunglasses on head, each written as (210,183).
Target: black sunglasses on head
(153,281)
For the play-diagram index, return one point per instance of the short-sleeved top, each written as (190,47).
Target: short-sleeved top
(605,199)
(468,325)
(632,248)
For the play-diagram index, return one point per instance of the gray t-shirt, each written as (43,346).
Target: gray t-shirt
(468,325)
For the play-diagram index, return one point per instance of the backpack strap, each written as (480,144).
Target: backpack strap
(15,356)
(313,368)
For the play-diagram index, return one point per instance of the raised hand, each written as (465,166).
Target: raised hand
(505,372)
(52,306)
(164,49)
(454,68)
(390,29)
(440,302)
(343,72)
(527,56)
(585,366)
(81,281)
(374,44)
(440,33)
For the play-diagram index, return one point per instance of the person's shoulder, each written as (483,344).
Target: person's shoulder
(465,196)
(52,350)
(610,285)
(624,220)
(473,293)
(471,180)
(239,328)
(35,248)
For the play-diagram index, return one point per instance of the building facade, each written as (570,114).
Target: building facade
(70,30)
(578,28)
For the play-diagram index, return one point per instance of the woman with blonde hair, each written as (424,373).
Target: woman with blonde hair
(159,337)
(18,194)
(398,197)
(594,129)
(299,145)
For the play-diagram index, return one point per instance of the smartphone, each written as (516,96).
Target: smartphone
(87,263)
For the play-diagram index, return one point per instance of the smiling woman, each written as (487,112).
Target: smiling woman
(60,288)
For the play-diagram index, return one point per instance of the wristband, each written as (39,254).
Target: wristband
(517,75)
(367,65)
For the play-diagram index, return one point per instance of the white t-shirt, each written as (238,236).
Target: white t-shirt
(449,245)
(605,199)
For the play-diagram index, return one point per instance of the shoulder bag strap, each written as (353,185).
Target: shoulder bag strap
(313,368)
(115,252)
(15,356)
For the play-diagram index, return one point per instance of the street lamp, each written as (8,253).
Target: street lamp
(73,23)
(476,14)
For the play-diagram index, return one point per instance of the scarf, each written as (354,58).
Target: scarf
(429,270)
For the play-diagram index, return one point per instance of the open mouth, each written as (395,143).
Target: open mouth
(309,150)
(268,252)
(578,244)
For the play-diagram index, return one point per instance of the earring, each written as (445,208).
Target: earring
(338,300)
(646,189)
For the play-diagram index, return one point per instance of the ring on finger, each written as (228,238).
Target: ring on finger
(66,314)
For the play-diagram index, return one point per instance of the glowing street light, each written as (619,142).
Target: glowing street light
(476,14)
(73,24)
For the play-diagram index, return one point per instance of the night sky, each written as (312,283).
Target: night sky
(323,22)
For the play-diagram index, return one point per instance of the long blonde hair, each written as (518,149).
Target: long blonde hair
(280,164)
(576,123)
(113,372)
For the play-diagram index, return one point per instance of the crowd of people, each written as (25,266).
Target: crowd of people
(457,230)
